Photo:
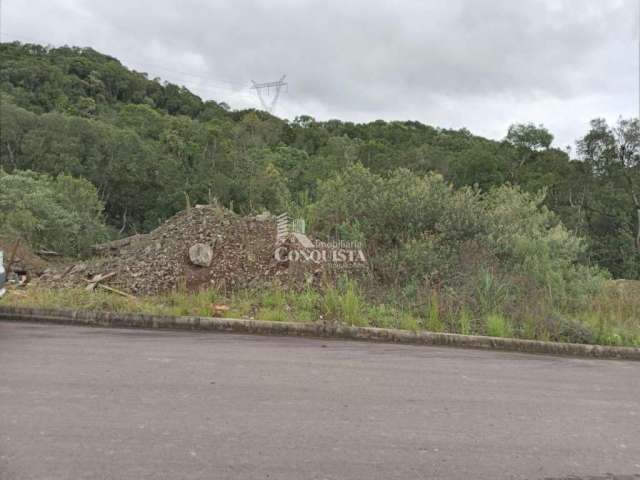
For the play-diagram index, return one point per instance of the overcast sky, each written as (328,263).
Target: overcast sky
(480,64)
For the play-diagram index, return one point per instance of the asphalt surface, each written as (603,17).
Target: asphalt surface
(85,403)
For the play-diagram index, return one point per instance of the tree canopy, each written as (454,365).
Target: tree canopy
(144,146)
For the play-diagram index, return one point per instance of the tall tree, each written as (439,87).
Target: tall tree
(612,155)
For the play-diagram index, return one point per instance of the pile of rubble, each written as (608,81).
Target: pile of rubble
(203,246)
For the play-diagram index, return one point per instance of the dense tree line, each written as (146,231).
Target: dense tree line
(147,146)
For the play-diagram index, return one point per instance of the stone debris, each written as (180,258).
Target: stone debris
(203,246)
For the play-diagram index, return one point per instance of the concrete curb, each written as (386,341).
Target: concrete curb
(259,327)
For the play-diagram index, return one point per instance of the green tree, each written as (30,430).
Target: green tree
(529,136)
(612,198)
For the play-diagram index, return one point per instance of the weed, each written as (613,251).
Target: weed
(304,305)
(464,322)
(491,293)
(382,316)
(408,322)
(272,314)
(434,323)
(352,306)
(346,306)
(498,326)
(612,316)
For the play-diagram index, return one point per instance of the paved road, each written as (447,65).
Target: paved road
(83,403)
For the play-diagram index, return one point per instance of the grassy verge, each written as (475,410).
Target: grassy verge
(612,317)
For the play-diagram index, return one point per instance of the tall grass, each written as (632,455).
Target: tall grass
(344,303)
(498,326)
(611,317)
(434,322)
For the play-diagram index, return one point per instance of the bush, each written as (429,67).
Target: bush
(562,329)
(419,229)
(529,239)
(386,211)
(62,214)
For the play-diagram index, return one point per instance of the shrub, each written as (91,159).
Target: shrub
(62,214)
(529,239)
(419,229)
(386,211)
(564,329)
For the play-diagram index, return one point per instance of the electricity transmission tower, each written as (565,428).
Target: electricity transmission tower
(276,86)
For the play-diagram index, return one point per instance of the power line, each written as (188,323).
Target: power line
(277,86)
(223,84)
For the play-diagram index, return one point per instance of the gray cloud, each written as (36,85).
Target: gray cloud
(475,63)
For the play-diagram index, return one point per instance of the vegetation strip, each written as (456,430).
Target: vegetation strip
(112,319)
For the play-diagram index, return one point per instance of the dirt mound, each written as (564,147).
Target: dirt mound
(241,254)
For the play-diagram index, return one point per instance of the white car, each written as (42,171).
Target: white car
(3,275)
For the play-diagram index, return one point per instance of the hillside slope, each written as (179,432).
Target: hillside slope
(148,147)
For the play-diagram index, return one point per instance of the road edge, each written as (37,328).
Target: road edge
(317,330)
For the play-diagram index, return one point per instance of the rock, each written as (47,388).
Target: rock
(201,255)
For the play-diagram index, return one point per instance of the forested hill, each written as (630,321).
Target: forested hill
(149,147)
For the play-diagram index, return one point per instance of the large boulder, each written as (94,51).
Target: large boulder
(201,254)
